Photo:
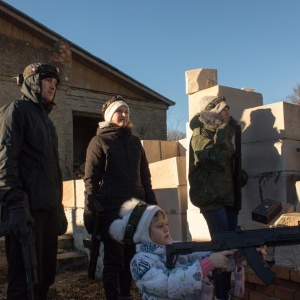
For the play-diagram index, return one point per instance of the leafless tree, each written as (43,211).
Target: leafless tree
(174,133)
(294,97)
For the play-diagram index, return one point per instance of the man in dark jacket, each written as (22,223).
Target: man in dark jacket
(31,180)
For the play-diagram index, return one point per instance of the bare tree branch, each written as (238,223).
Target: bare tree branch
(294,97)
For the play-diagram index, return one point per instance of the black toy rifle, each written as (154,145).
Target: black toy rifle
(27,242)
(94,246)
(246,241)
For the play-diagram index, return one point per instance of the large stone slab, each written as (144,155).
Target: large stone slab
(157,150)
(237,99)
(178,224)
(200,79)
(288,256)
(69,193)
(274,121)
(169,149)
(172,200)
(73,193)
(79,193)
(271,156)
(168,173)
(183,146)
(297,185)
(197,229)
(152,150)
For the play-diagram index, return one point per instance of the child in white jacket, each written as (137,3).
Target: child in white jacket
(147,226)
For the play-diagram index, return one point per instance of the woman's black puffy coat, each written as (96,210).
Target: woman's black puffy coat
(116,169)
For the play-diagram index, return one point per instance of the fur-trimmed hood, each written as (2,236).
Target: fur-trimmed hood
(206,118)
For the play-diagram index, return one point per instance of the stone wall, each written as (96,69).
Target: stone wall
(148,116)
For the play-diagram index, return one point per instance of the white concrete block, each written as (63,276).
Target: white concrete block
(199,79)
(172,200)
(168,173)
(157,150)
(237,99)
(152,150)
(79,193)
(270,156)
(169,149)
(288,219)
(280,120)
(280,254)
(197,229)
(297,185)
(183,146)
(73,193)
(68,193)
(177,225)
(190,205)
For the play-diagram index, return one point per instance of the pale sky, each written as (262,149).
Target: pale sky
(252,43)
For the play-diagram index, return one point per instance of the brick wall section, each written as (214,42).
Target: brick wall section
(284,287)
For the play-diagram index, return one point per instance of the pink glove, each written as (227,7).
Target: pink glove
(206,290)
(239,281)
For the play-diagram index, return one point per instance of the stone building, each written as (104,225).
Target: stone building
(86,83)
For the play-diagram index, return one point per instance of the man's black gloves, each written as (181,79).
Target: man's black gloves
(62,222)
(20,220)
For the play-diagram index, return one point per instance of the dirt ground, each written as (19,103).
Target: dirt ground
(68,285)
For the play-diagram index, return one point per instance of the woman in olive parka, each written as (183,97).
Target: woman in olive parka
(211,172)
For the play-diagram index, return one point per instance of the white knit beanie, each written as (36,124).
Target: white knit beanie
(204,101)
(112,108)
(118,227)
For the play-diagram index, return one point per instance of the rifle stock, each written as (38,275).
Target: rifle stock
(246,241)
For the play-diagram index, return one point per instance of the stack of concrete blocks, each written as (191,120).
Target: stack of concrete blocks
(73,201)
(280,253)
(238,100)
(270,138)
(167,164)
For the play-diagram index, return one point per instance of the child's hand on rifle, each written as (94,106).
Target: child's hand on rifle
(220,259)
(239,257)
(263,251)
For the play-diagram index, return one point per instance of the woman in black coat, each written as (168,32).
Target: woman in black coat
(116,170)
